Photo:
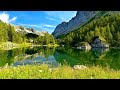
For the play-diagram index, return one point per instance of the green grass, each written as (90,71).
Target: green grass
(61,72)
(4,46)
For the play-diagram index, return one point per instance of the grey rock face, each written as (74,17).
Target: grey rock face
(99,44)
(66,27)
(24,30)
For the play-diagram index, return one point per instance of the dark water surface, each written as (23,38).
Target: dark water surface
(55,56)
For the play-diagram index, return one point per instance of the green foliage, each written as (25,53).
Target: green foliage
(21,27)
(3,32)
(45,40)
(107,27)
(44,72)
(8,33)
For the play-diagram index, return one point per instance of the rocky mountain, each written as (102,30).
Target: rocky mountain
(80,18)
(24,30)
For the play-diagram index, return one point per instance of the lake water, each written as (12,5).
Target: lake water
(61,55)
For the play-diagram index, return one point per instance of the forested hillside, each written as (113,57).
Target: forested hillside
(106,27)
(8,33)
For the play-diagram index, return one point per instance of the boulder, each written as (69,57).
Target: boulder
(99,43)
(83,45)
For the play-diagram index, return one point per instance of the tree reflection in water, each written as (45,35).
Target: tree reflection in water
(72,56)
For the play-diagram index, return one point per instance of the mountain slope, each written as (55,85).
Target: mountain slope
(66,27)
(104,24)
(81,19)
(24,30)
(20,34)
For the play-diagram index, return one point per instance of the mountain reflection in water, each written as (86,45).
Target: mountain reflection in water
(61,55)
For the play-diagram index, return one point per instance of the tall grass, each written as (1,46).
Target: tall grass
(61,72)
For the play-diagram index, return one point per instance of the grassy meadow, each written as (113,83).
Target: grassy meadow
(61,72)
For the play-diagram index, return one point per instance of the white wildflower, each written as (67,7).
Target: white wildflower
(40,71)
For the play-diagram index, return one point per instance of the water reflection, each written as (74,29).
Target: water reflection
(23,56)
(36,55)
(99,51)
(71,56)
(97,56)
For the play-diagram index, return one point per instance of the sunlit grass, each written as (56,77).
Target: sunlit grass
(61,72)
(11,45)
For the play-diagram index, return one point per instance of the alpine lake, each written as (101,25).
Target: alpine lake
(105,57)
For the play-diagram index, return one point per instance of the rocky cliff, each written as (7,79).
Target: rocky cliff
(65,27)
(24,30)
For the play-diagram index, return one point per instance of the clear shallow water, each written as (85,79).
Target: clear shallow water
(55,56)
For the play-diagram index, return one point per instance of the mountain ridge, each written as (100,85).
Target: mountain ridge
(66,27)
(24,30)
(82,18)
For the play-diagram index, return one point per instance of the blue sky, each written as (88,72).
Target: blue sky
(39,20)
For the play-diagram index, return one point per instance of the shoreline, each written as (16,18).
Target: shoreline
(11,45)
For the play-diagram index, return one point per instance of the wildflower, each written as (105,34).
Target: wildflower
(50,70)
(40,71)
(79,67)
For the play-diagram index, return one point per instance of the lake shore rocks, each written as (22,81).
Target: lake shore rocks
(83,45)
(99,43)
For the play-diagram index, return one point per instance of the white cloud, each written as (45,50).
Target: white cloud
(13,19)
(50,13)
(5,17)
(42,27)
(61,15)
(47,25)
(47,30)
(63,19)
(32,25)
(38,26)
(51,18)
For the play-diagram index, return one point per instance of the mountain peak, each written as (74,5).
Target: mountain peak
(66,27)
(24,30)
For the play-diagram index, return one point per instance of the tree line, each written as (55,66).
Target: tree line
(107,27)
(8,33)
